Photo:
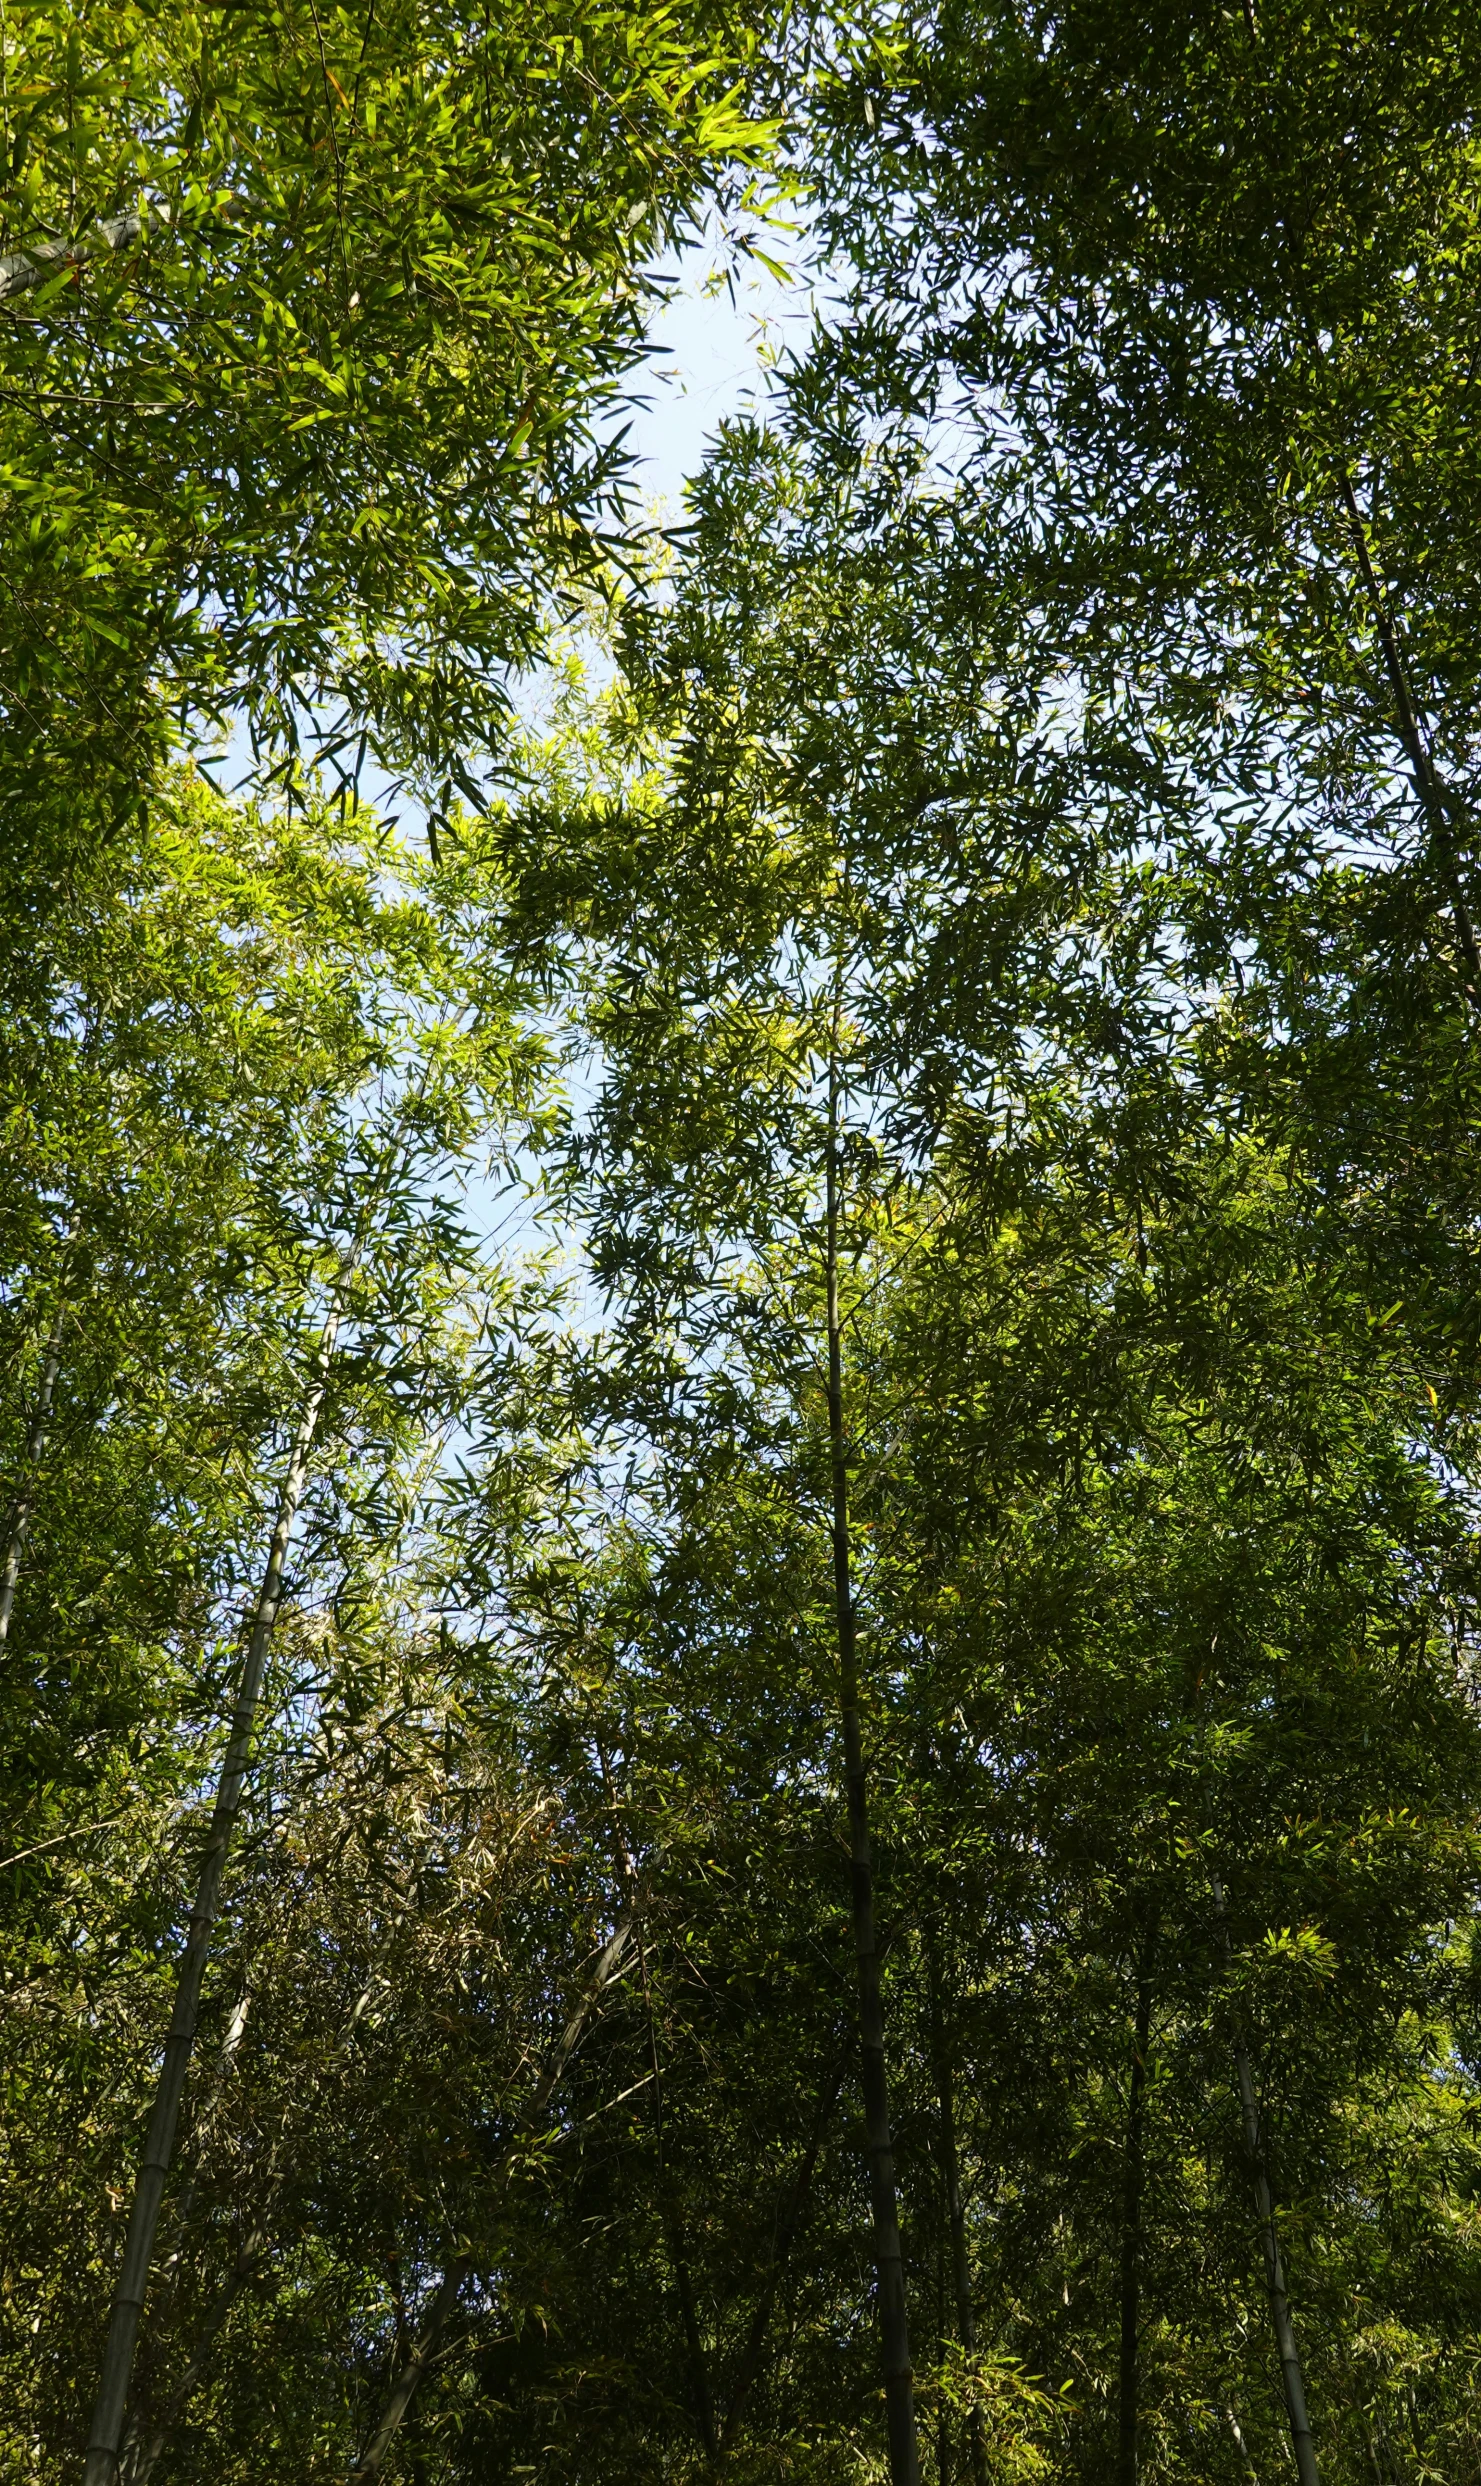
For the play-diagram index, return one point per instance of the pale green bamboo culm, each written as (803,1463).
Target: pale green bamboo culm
(109,2409)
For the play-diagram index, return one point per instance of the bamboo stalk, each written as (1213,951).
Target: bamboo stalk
(143,2447)
(704,2408)
(403,2387)
(1240,2445)
(1292,2379)
(1131,2227)
(1434,797)
(786,2233)
(24,268)
(899,2380)
(36,1432)
(159,2145)
(966,2316)
(399,2397)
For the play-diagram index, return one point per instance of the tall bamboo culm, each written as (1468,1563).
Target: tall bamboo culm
(899,2379)
(20,1513)
(109,2409)
(1292,2379)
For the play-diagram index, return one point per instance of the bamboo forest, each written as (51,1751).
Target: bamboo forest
(740,1244)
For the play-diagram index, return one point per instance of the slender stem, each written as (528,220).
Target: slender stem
(1280,2310)
(399,2397)
(1292,2380)
(951,2180)
(694,2345)
(159,2142)
(24,268)
(894,2326)
(143,2447)
(36,1432)
(1240,2445)
(704,2411)
(439,2312)
(786,2233)
(1427,781)
(1131,2225)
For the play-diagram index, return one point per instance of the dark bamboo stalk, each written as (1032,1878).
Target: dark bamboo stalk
(159,2142)
(1434,798)
(1292,2379)
(1275,2279)
(951,2185)
(403,2386)
(1131,2226)
(889,2259)
(699,2380)
(704,2407)
(789,2220)
(36,1432)
(144,2444)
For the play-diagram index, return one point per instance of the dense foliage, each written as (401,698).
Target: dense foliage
(738,1595)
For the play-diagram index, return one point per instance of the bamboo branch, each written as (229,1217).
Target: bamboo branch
(704,2409)
(955,2208)
(1428,784)
(24,268)
(1133,2175)
(142,2448)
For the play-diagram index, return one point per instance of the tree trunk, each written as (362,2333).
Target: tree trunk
(1131,2226)
(1292,2380)
(20,1515)
(951,2185)
(159,2143)
(889,2260)
(439,2313)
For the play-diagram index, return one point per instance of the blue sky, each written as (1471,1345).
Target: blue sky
(711,360)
